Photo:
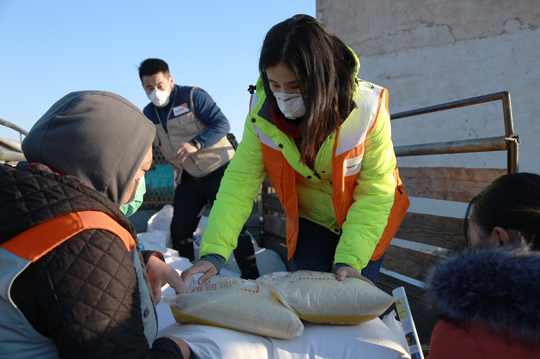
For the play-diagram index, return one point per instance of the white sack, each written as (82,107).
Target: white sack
(320,298)
(235,303)
(367,340)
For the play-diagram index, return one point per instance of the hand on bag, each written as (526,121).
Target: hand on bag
(205,267)
(183,151)
(159,274)
(349,272)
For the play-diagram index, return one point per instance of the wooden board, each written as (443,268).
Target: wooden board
(447,183)
(444,232)
(407,261)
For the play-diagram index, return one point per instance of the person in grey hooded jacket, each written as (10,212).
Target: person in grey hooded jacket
(91,295)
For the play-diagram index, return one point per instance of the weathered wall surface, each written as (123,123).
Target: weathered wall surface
(435,51)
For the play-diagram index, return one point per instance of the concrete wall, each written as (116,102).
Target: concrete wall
(435,51)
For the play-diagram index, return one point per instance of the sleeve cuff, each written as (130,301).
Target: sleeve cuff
(339,265)
(217,260)
(147,254)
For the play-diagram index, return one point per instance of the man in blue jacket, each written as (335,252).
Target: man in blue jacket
(191,132)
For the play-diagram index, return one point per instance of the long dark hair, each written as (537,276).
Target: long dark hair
(324,67)
(510,202)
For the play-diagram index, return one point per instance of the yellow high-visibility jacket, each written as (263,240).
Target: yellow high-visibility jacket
(351,190)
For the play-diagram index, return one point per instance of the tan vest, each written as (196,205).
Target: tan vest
(185,128)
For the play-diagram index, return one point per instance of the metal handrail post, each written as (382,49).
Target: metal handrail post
(513,140)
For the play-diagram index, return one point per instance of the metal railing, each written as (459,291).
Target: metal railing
(509,142)
(9,153)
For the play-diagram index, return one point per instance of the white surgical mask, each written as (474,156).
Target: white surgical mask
(159,98)
(291,104)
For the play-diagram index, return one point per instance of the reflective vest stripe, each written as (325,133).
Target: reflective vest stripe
(56,231)
(265,139)
(347,160)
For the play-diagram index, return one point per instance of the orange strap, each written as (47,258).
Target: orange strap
(37,241)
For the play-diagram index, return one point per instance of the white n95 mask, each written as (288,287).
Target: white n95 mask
(159,98)
(291,104)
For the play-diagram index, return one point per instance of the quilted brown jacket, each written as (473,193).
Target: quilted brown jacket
(84,293)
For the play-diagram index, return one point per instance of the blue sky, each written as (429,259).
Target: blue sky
(51,48)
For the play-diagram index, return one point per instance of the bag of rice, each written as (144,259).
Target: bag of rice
(320,298)
(235,303)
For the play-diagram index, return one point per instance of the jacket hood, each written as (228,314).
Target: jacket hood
(99,137)
(498,287)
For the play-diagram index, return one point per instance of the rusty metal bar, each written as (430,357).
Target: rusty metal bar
(11,156)
(513,143)
(12,126)
(512,157)
(10,145)
(451,105)
(463,146)
(510,142)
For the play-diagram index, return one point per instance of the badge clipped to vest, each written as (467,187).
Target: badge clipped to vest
(353,165)
(180,110)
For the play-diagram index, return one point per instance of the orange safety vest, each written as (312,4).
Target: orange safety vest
(27,247)
(283,179)
(58,230)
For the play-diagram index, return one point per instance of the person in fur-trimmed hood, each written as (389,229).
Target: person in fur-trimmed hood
(489,300)
(488,297)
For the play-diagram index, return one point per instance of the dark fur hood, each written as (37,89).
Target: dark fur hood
(497,286)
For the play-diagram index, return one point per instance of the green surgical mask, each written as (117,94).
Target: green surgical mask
(129,208)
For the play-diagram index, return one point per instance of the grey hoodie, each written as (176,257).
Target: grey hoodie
(97,136)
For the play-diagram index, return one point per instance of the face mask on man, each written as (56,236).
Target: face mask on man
(291,105)
(159,98)
(132,206)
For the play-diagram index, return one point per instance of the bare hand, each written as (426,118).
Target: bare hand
(159,274)
(349,272)
(205,267)
(183,151)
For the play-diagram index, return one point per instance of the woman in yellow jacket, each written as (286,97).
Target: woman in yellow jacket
(323,138)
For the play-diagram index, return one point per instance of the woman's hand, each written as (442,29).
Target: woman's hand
(349,272)
(159,274)
(205,267)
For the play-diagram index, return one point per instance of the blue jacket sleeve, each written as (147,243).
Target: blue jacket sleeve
(210,114)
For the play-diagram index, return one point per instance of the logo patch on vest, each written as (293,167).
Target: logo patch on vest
(352,166)
(180,110)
